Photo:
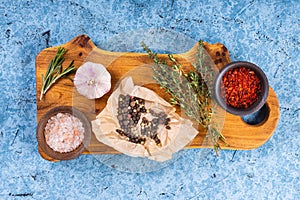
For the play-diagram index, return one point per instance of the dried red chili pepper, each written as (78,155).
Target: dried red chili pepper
(241,87)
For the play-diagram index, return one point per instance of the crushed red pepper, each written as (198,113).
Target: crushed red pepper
(241,87)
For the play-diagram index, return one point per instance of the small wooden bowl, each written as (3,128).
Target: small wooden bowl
(41,137)
(256,105)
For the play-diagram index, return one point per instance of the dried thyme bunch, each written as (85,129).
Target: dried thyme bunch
(191,91)
(204,66)
(55,71)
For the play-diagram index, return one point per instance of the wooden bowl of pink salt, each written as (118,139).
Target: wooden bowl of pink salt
(63,133)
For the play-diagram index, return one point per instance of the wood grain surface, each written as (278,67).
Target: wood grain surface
(238,134)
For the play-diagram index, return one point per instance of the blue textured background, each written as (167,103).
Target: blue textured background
(264,32)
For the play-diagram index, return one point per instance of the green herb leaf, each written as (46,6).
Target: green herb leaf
(189,90)
(55,71)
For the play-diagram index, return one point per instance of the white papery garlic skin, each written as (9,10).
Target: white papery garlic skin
(92,80)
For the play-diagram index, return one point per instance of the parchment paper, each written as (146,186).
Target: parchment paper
(181,133)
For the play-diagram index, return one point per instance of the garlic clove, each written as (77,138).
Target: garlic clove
(92,80)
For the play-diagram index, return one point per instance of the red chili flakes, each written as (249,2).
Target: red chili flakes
(241,87)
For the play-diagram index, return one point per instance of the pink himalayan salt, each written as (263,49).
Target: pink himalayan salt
(64,132)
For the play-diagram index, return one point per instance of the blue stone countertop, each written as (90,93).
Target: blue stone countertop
(263,32)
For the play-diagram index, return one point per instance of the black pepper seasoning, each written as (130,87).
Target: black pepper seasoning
(130,109)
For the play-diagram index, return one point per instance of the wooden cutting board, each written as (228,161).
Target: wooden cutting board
(239,135)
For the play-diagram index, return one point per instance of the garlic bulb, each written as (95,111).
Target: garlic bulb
(92,80)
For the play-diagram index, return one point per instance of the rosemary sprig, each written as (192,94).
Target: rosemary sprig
(191,91)
(55,71)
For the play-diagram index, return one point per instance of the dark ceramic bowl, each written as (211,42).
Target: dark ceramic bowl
(261,98)
(41,137)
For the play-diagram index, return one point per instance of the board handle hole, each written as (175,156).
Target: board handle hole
(259,117)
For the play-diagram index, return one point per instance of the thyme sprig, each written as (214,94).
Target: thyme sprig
(204,66)
(55,71)
(174,83)
(191,91)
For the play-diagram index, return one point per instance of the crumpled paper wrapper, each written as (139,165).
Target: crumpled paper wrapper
(181,133)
